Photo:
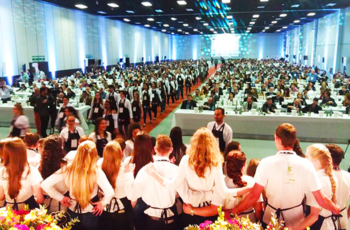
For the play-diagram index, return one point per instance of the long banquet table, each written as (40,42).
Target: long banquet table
(311,128)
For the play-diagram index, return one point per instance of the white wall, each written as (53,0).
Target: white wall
(64,37)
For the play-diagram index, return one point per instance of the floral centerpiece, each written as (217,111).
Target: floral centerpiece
(35,219)
(236,223)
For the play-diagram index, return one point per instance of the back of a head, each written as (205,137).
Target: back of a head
(121,142)
(235,162)
(337,153)
(287,133)
(132,127)
(143,150)
(163,144)
(252,166)
(176,137)
(52,156)
(84,138)
(233,145)
(112,159)
(203,152)
(31,139)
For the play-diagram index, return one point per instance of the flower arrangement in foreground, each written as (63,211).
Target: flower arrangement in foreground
(35,219)
(236,223)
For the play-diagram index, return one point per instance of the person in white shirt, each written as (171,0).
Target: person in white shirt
(97,108)
(19,124)
(83,179)
(343,184)
(71,134)
(146,97)
(19,181)
(5,91)
(31,141)
(119,211)
(100,136)
(286,179)
(124,114)
(221,130)
(61,113)
(134,129)
(320,218)
(201,169)
(53,152)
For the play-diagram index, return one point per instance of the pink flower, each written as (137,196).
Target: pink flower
(21,212)
(205,224)
(21,227)
(40,227)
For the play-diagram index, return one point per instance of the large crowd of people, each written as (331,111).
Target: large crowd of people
(119,177)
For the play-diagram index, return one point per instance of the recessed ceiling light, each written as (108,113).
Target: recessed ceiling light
(198,18)
(226,1)
(114,5)
(182,2)
(189,9)
(130,11)
(195,29)
(159,11)
(274,22)
(172,33)
(251,23)
(180,22)
(261,7)
(205,24)
(256,15)
(147,25)
(187,33)
(166,25)
(296,21)
(163,30)
(295,6)
(311,14)
(137,23)
(215,32)
(266,28)
(211,29)
(146,3)
(249,28)
(263,31)
(229,16)
(264,0)
(331,4)
(278,31)
(101,12)
(150,19)
(81,6)
(174,19)
(283,15)
(253,19)
(303,18)
(154,27)
(127,20)
(185,25)
(179,30)
(285,27)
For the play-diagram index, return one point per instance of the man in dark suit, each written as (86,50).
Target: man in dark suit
(269,106)
(278,98)
(188,104)
(42,103)
(293,106)
(209,105)
(328,100)
(313,108)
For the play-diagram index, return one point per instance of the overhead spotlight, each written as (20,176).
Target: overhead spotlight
(266,28)
(251,23)
(195,29)
(174,19)
(283,15)
(165,25)
(187,33)
(296,21)
(81,6)
(311,14)
(198,18)
(264,0)
(226,1)
(113,5)
(211,29)
(229,16)
(130,11)
(295,6)
(163,30)
(179,30)
(331,4)
(182,3)
(127,20)
(150,19)
(185,25)
(146,3)
(147,25)
(274,22)
(201,32)
(256,16)
(285,27)
(101,12)
(249,28)
(172,33)
(159,11)
(215,32)
(278,30)
(205,24)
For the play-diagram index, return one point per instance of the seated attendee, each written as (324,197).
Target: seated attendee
(231,98)
(328,100)
(209,105)
(278,99)
(287,94)
(271,92)
(301,99)
(188,104)
(269,106)
(346,103)
(85,98)
(249,104)
(293,106)
(343,90)
(312,108)
(293,88)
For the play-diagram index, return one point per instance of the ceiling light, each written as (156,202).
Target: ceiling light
(182,2)
(266,28)
(201,32)
(174,19)
(274,22)
(150,19)
(264,0)
(127,20)
(154,27)
(188,9)
(283,15)
(211,29)
(285,27)
(303,18)
(261,7)
(296,21)
(172,32)
(205,24)
(187,33)
(147,25)
(251,23)
(179,30)
(263,31)
(230,23)
(180,22)
(163,30)
(311,14)
(185,25)
(137,23)
(159,11)
(101,12)
(81,6)
(229,17)
(130,11)
(256,15)
(215,32)
(146,3)
(295,6)
(198,18)
(195,29)
(249,28)
(226,1)
(278,30)
(253,19)
(114,5)
(166,25)
(331,4)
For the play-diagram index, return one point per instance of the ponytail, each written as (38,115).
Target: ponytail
(235,162)
(329,172)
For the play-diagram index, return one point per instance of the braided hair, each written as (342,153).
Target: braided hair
(235,162)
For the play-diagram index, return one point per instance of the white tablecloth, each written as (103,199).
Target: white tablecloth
(6,115)
(309,128)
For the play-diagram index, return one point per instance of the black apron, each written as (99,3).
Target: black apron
(61,116)
(188,82)
(101,144)
(146,100)
(72,137)
(123,113)
(180,81)
(15,132)
(136,111)
(279,211)
(220,135)
(110,122)
(30,202)
(113,103)
(155,101)
(97,111)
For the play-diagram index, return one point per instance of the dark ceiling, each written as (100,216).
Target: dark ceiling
(213,12)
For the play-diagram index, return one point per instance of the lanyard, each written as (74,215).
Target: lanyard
(286,152)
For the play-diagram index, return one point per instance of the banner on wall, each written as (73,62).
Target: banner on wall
(89,56)
(38,58)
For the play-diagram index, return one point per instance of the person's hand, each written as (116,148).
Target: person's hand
(66,201)
(129,168)
(173,160)
(98,208)
(186,208)
(150,168)
(337,210)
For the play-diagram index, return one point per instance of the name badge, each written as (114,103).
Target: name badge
(60,115)
(145,98)
(96,110)
(134,109)
(74,143)
(121,110)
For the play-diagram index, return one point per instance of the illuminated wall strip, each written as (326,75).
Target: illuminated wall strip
(152,45)
(103,39)
(336,42)
(119,25)
(50,40)
(327,20)
(80,22)
(137,38)
(144,55)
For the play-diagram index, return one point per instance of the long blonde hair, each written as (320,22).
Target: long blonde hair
(81,173)
(321,153)
(203,152)
(112,159)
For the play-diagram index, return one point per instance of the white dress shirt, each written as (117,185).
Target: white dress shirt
(33,158)
(65,132)
(5,92)
(342,194)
